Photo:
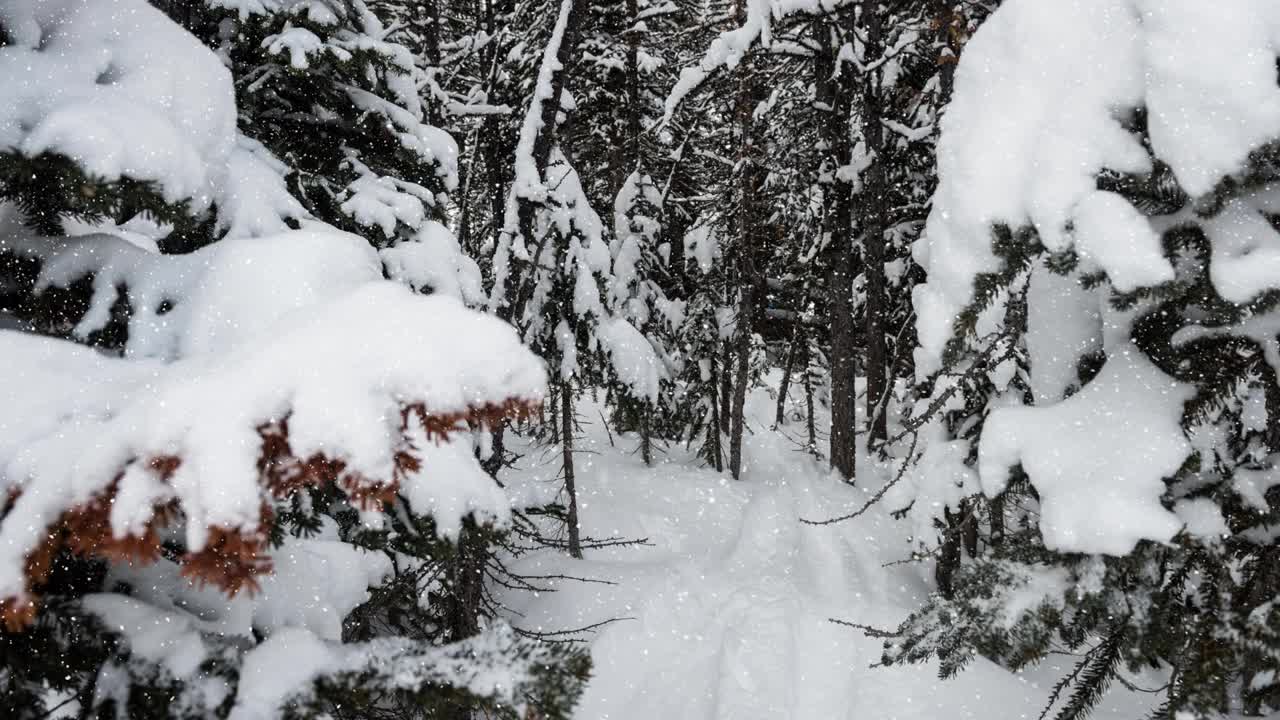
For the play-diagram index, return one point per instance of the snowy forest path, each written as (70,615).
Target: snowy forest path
(726,613)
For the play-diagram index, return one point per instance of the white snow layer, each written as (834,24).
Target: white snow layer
(1065,75)
(259,337)
(1098,459)
(79,82)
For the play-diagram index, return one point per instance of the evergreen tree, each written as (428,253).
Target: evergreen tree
(349,113)
(189,529)
(1103,371)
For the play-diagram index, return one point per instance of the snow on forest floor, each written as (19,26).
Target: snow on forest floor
(725,614)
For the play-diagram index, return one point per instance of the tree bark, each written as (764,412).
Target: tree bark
(743,372)
(566,434)
(875,196)
(780,416)
(810,426)
(429,11)
(544,142)
(726,386)
(833,96)
(948,555)
(996,508)
(713,428)
(466,602)
(747,276)
(646,436)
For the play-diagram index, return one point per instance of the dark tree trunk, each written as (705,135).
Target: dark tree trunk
(809,424)
(713,428)
(566,433)
(948,555)
(874,198)
(969,533)
(834,97)
(997,520)
(430,13)
(780,416)
(466,575)
(555,412)
(726,386)
(633,84)
(749,182)
(646,437)
(950,25)
(743,372)
(466,603)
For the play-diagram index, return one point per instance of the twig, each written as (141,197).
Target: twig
(867,629)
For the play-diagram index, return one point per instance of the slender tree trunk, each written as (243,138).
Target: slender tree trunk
(948,555)
(713,430)
(797,337)
(566,431)
(633,84)
(969,534)
(466,603)
(646,438)
(555,412)
(874,198)
(746,221)
(810,426)
(430,13)
(467,577)
(997,520)
(544,142)
(949,23)
(743,372)
(833,96)
(726,386)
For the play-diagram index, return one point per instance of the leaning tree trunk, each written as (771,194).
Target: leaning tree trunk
(797,337)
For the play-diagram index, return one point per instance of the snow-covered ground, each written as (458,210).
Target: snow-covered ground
(725,614)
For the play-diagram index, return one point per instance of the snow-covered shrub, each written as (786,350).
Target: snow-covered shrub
(1108,215)
(244,502)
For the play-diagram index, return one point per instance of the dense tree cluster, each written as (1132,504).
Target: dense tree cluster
(317,262)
